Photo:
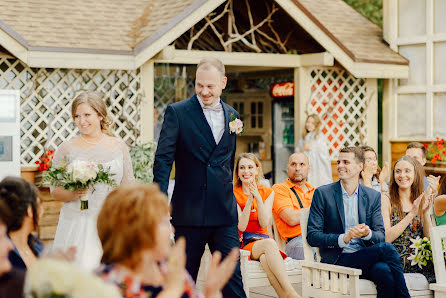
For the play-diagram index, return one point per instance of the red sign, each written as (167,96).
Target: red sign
(282,89)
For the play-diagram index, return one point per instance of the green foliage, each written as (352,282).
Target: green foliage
(143,157)
(60,175)
(371,9)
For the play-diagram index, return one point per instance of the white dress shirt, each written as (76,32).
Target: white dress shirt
(215,119)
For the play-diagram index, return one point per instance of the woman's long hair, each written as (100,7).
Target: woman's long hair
(416,189)
(237,182)
(317,125)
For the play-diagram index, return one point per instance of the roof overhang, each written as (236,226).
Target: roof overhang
(158,44)
(358,69)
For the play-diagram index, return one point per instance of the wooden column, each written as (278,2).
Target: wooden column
(372,113)
(301,95)
(389,118)
(147,104)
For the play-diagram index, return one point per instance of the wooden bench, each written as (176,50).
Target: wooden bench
(327,280)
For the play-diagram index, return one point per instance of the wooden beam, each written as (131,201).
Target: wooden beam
(317,59)
(13,46)
(148,99)
(172,55)
(79,60)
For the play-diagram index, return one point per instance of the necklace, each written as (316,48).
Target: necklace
(92,143)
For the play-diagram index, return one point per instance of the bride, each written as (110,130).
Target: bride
(95,142)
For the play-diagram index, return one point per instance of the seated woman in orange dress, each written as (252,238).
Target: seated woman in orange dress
(254,203)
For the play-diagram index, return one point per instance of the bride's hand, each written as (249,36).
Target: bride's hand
(80,193)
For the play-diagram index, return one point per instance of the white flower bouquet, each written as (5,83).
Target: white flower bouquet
(49,278)
(423,252)
(78,174)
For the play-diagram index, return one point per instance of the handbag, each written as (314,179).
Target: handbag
(248,237)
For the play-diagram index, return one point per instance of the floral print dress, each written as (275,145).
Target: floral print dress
(403,243)
(131,287)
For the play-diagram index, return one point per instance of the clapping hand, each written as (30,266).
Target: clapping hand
(433,183)
(367,175)
(357,231)
(385,171)
(175,269)
(416,204)
(220,272)
(428,201)
(253,190)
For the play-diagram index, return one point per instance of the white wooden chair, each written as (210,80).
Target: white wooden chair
(327,280)
(280,243)
(437,234)
(253,274)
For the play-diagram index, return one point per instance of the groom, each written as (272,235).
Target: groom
(196,135)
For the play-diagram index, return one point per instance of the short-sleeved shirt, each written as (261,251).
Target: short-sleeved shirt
(285,198)
(242,198)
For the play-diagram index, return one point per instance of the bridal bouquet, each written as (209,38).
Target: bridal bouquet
(49,278)
(78,174)
(423,252)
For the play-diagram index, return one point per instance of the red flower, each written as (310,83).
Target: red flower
(425,145)
(434,160)
(50,152)
(37,162)
(45,167)
(432,149)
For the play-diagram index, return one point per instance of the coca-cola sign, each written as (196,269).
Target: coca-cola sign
(282,89)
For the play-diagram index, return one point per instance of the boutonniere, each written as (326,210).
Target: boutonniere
(236,125)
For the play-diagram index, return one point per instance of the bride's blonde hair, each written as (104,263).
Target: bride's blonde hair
(96,101)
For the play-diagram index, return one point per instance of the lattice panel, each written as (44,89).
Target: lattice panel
(46,96)
(340,101)
(170,88)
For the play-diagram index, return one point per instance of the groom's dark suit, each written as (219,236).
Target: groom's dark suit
(204,208)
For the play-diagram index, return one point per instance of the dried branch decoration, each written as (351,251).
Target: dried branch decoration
(253,38)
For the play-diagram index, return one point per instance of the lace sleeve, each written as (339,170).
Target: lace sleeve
(127,175)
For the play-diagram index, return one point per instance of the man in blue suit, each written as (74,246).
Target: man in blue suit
(345,222)
(196,135)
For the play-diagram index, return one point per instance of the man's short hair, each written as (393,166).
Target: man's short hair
(206,63)
(359,155)
(417,145)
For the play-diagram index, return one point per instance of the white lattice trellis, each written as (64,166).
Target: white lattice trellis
(46,96)
(340,101)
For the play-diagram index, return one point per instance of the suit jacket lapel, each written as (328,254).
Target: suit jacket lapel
(199,119)
(340,204)
(362,200)
(227,114)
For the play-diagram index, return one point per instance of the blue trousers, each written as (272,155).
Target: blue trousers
(222,239)
(381,264)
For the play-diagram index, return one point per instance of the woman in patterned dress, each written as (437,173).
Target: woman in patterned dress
(254,203)
(405,211)
(134,230)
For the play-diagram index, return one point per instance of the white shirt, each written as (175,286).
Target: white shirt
(216,120)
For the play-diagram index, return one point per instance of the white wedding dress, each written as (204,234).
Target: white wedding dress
(318,158)
(77,227)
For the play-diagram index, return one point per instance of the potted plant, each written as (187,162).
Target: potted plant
(143,157)
(436,151)
(44,163)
